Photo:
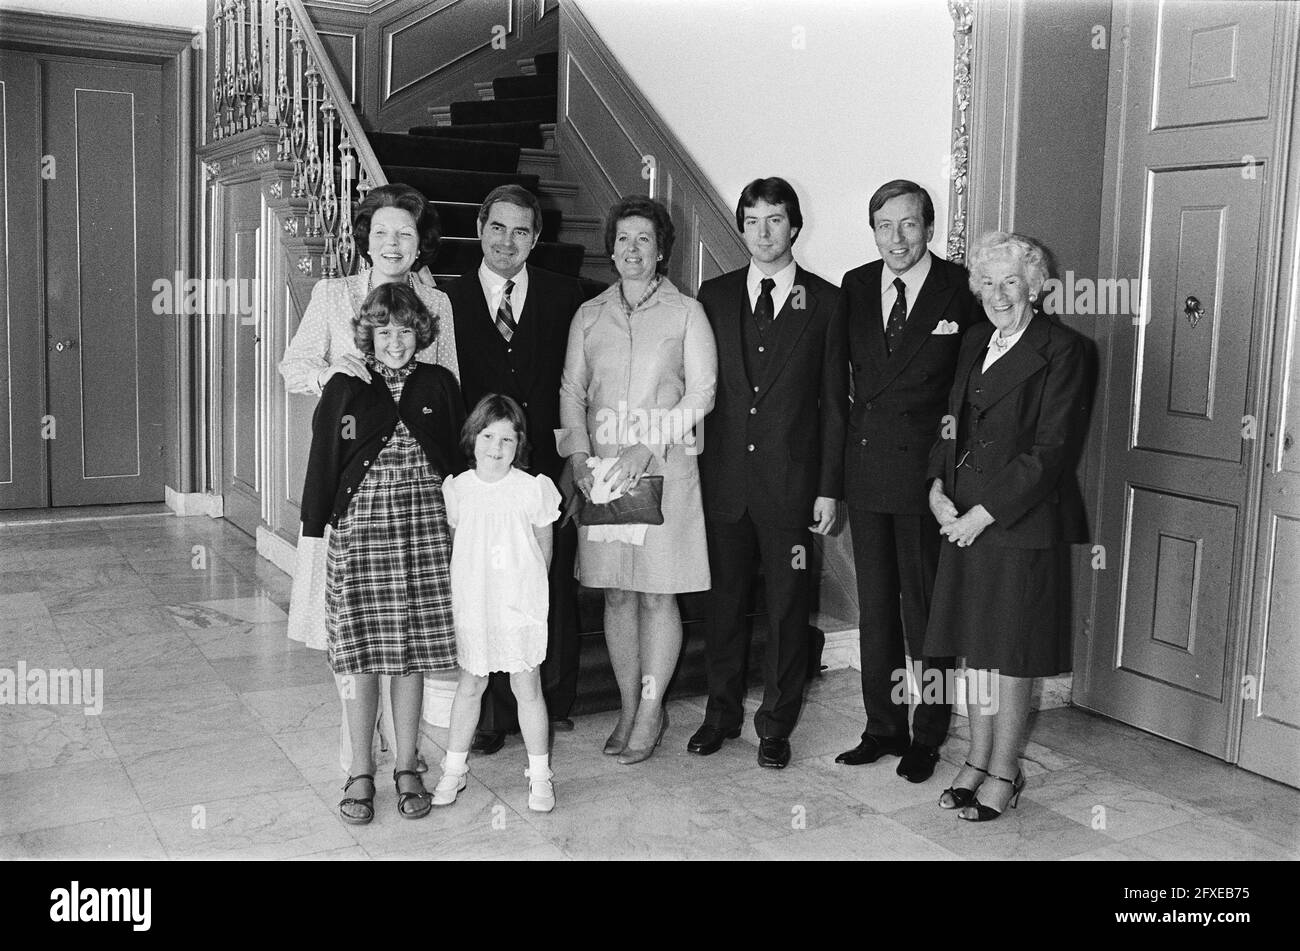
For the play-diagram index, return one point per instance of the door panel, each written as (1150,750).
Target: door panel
(1193,370)
(240,444)
(24,480)
(103,127)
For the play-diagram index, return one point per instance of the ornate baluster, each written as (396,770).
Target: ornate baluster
(216,68)
(283,149)
(255,54)
(347,245)
(229,26)
(329,205)
(299,134)
(313,151)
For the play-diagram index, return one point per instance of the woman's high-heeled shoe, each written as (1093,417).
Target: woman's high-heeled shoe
(985,813)
(614,745)
(959,796)
(630,756)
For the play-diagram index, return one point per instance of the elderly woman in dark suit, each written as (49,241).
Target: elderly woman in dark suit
(1004,491)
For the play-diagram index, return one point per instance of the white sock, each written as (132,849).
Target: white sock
(456,763)
(539,766)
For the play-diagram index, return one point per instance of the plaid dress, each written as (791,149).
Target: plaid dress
(388,572)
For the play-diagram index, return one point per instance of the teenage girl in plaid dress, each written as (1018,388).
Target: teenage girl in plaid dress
(380,450)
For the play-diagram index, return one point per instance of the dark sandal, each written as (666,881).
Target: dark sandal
(404,797)
(959,795)
(368,803)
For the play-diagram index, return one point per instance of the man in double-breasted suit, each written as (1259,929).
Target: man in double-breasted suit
(905,315)
(512,326)
(772,463)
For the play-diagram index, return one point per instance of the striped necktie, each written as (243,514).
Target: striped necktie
(505,319)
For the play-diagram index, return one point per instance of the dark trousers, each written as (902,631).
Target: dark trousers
(560,669)
(785,555)
(896,557)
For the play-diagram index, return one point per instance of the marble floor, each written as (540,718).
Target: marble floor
(217,738)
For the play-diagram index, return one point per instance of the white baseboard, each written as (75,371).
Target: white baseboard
(276,550)
(194,503)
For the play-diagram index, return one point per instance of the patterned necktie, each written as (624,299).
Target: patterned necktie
(764,312)
(505,313)
(897,316)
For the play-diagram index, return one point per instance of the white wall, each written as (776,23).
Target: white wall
(179,13)
(867,99)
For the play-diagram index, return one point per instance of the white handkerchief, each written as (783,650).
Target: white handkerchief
(601,492)
(946,327)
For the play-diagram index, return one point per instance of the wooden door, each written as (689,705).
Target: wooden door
(24,479)
(1270,728)
(241,379)
(103,128)
(1189,212)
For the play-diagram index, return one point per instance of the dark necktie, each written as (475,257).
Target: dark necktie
(764,312)
(505,313)
(897,316)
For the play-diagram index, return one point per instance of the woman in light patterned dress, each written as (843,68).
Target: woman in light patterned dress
(397,233)
(639,377)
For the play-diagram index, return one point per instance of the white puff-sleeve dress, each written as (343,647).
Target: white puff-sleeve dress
(499,593)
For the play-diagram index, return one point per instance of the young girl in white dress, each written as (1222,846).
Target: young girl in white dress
(501,549)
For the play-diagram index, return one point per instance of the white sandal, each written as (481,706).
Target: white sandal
(541,791)
(449,787)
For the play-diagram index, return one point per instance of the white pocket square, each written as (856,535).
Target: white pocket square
(946,327)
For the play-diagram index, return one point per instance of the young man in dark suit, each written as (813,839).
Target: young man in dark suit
(772,457)
(512,326)
(905,315)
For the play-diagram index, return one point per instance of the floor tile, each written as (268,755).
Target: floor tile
(122,837)
(65,795)
(51,737)
(272,825)
(195,775)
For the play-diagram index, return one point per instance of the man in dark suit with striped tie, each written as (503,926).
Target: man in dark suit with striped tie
(512,326)
(905,315)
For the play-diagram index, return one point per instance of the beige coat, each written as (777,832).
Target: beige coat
(647,379)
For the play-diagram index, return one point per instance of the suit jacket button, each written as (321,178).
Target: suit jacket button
(762,349)
(869,405)
(753,410)
(755,389)
(751,447)
(525,404)
(864,442)
(366,463)
(349,490)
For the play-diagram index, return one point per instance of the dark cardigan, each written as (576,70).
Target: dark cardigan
(353,422)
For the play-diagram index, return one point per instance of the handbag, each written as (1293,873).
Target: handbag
(640,505)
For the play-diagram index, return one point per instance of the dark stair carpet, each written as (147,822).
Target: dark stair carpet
(393,148)
(534,108)
(522,87)
(460,220)
(547,64)
(527,135)
(454,184)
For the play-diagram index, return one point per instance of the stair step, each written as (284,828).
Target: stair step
(528,135)
(460,255)
(475,155)
(454,184)
(535,108)
(484,90)
(587,230)
(547,63)
(523,87)
(459,219)
(544,163)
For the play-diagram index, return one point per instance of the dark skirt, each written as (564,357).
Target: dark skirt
(1002,609)
(388,578)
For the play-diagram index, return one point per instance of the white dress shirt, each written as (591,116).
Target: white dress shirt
(494,286)
(784,279)
(913,278)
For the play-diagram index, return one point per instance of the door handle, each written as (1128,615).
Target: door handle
(1194,311)
(60,345)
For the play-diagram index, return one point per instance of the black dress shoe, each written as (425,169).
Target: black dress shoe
(872,748)
(774,752)
(708,739)
(562,725)
(487,743)
(917,764)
